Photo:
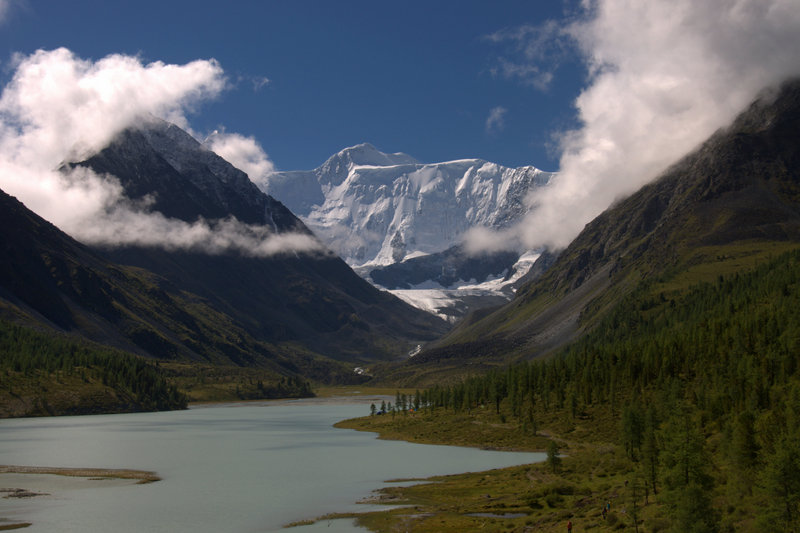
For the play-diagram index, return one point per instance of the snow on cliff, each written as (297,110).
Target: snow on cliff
(374,208)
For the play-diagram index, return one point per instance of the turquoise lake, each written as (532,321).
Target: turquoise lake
(226,468)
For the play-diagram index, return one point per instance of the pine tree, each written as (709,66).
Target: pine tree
(632,430)
(650,450)
(553,458)
(781,479)
(687,478)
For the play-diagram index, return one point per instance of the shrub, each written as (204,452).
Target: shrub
(554,500)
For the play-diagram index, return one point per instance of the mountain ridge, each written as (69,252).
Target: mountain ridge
(313,300)
(734,197)
(377,209)
(392,217)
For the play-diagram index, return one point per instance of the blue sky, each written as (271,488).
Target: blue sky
(607,92)
(419,77)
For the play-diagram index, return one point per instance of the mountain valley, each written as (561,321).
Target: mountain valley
(294,316)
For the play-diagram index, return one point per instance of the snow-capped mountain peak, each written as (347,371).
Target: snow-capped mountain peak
(375,208)
(339,165)
(365,154)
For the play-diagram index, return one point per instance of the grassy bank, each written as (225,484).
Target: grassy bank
(592,468)
(589,472)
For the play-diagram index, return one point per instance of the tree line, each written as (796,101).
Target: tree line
(27,355)
(704,385)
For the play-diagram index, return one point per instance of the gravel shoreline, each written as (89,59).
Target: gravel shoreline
(141,475)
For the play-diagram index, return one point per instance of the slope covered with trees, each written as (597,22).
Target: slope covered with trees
(661,350)
(696,386)
(58,298)
(46,374)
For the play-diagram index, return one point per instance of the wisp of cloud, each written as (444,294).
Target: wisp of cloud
(59,108)
(663,76)
(245,153)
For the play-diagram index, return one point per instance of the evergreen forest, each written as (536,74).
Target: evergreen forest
(698,387)
(44,374)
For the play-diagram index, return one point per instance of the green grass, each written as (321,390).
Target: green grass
(480,429)
(523,498)
(708,263)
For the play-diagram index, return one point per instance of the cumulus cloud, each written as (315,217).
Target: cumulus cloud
(59,108)
(496,120)
(245,153)
(664,75)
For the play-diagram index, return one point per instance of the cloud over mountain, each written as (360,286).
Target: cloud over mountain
(663,76)
(245,153)
(60,108)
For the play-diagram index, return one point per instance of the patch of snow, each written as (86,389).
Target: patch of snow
(434,301)
(415,254)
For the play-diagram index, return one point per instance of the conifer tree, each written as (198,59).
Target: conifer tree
(553,458)
(687,478)
(781,478)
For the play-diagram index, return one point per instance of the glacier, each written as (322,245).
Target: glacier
(377,209)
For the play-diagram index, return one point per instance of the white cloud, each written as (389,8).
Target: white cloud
(57,103)
(124,225)
(496,120)
(479,240)
(60,108)
(259,82)
(5,5)
(245,153)
(665,74)
(532,53)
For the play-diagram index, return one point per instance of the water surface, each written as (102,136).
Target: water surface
(234,468)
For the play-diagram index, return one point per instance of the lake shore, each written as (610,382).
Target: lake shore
(525,498)
(161,442)
(24,482)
